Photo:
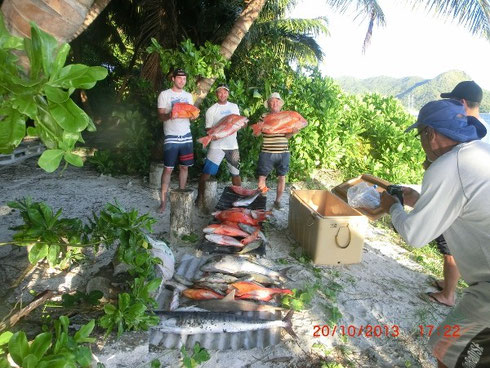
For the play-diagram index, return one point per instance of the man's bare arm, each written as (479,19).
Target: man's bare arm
(163,115)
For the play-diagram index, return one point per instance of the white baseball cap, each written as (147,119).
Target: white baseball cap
(273,95)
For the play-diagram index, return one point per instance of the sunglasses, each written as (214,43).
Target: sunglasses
(419,133)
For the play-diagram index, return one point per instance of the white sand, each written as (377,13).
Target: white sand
(381,290)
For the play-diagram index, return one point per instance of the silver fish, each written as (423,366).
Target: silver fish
(220,288)
(229,304)
(217,277)
(182,280)
(250,247)
(223,240)
(251,229)
(238,266)
(244,202)
(191,323)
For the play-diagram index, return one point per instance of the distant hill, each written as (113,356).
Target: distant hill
(413,92)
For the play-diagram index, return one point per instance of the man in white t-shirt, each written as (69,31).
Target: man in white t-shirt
(177,146)
(224,148)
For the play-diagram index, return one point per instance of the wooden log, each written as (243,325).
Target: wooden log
(181,206)
(155,179)
(207,201)
(39,300)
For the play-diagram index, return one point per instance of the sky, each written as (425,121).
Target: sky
(412,43)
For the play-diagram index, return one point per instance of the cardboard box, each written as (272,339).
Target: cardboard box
(327,228)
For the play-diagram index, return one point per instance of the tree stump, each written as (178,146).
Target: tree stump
(155,180)
(207,201)
(181,205)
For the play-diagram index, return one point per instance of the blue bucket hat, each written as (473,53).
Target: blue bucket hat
(449,118)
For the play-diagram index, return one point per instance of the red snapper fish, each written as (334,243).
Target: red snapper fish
(224,240)
(182,110)
(201,294)
(236,216)
(253,290)
(247,192)
(223,229)
(282,122)
(227,126)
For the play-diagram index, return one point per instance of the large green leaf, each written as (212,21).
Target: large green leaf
(60,60)
(5,337)
(25,104)
(54,250)
(50,159)
(18,347)
(6,40)
(55,94)
(38,252)
(82,335)
(34,56)
(41,344)
(30,361)
(69,116)
(12,131)
(73,159)
(79,76)
(44,44)
(4,363)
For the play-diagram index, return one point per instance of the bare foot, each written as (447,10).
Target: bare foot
(441,299)
(161,209)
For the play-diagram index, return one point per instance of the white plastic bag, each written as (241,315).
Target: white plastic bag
(363,195)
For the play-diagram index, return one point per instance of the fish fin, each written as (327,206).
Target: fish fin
(230,296)
(257,129)
(205,140)
(289,325)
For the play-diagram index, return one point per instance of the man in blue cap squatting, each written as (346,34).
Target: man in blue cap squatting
(454,200)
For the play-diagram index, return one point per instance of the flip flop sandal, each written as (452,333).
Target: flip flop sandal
(430,298)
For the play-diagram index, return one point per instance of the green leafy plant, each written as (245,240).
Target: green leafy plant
(129,314)
(299,300)
(199,355)
(71,300)
(48,236)
(41,92)
(52,351)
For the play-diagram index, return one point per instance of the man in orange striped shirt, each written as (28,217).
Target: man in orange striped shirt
(275,153)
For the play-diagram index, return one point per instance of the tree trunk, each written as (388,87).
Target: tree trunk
(207,201)
(61,19)
(180,213)
(231,42)
(97,7)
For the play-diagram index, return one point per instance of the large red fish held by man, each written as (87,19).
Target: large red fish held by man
(182,110)
(227,126)
(282,122)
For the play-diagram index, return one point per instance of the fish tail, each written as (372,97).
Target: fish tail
(257,129)
(289,325)
(204,140)
(283,274)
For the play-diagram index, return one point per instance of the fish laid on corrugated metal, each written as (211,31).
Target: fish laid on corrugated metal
(223,240)
(191,323)
(239,266)
(261,279)
(201,294)
(219,287)
(244,202)
(243,191)
(227,126)
(252,290)
(217,277)
(282,122)
(222,229)
(182,110)
(229,304)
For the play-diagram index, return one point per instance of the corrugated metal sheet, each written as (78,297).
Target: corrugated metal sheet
(189,268)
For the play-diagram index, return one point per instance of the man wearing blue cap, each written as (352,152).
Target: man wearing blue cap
(454,200)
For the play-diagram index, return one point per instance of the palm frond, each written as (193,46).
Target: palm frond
(474,15)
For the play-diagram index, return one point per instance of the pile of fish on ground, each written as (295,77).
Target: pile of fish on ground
(239,228)
(230,301)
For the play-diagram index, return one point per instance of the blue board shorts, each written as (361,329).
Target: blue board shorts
(178,149)
(269,161)
(216,155)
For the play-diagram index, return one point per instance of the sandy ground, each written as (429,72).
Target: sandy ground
(381,290)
